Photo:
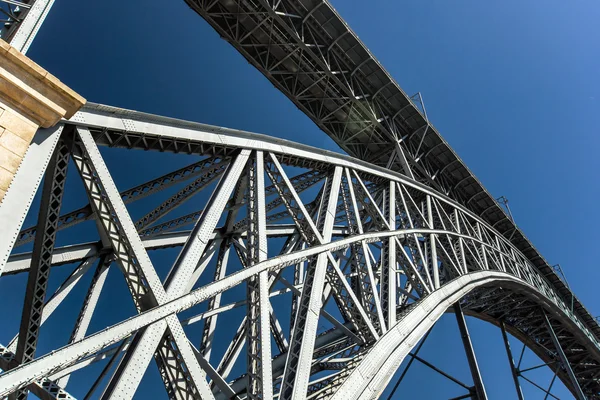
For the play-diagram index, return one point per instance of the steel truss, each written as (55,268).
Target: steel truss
(21,19)
(312,56)
(367,258)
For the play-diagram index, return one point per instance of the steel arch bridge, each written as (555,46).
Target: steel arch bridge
(370,251)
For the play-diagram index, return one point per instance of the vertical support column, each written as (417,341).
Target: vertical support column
(464,333)
(388,261)
(260,379)
(297,366)
(41,261)
(563,358)
(432,246)
(511,361)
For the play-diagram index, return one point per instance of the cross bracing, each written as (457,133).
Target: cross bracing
(371,255)
(20,21)
(308,52)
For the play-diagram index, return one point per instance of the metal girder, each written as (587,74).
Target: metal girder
(88,307)
(388,261)
(55,361)
(365,283)
(235,346)
(214,303)
(112,214)
(141,278)
(18,198)
(513,369)
(295,377)
(210,173)
(563,358)
(258,337)
(128,196)
(370,377)
(309,231)
(176,281)
(342,93)
(479,391)
(312,56)
(24,19)
(437,243)
(441,249)
(41,261)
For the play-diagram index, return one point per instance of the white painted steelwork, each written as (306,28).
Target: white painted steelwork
(388,253)
(308,52)
(21,21)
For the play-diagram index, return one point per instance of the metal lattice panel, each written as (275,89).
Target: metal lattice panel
(21,20)
(368,258)
(311,55)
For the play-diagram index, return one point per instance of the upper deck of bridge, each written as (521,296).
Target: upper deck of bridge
(308,52)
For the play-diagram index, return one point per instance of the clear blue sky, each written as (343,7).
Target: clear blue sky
(513,86)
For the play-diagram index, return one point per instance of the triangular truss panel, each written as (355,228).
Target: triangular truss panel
(254,268)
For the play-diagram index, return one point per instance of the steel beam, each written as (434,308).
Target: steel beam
(27,29)
(142,280)
(88,307)
(41,262)
(388,280)
(258,338)
(563,358)
(429,223)
(466,339)
(296,375)
(513,370)
(18,198)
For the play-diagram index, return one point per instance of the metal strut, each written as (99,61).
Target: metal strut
(564,359)
(39,273)
(466,339)
(514,371)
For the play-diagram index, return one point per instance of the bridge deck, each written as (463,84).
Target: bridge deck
(309,53)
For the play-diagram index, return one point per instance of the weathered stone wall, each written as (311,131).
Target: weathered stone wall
(30,98)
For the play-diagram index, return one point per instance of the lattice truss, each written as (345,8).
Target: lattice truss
(337,268)
(308,52)
(20,21)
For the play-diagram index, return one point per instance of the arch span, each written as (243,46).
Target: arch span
(373,373)
(367,240)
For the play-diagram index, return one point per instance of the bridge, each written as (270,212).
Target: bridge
(375,246)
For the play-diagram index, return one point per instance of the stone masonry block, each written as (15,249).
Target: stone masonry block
(5,179)
(13,142)
(9,160)
(18,125)
(30,97)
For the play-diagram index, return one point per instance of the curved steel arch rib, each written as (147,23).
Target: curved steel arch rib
(311,54)
(373,243)
(373,373)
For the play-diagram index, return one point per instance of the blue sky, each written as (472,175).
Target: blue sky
(512,85)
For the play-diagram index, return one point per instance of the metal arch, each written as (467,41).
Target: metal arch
(370,378)
(367,112)
(443,250)
(437,242)
(289,152)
